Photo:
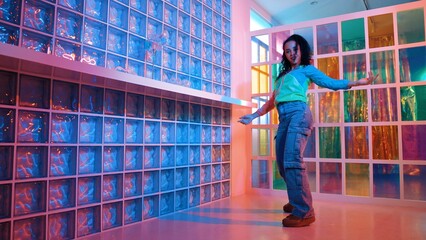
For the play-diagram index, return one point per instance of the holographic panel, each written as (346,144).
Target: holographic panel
(260,174)
(356,106)
(411,26)
(330,177)
(386,180)
(329,66)
(415,182)
(260,79)
(356,142)
(383,63)
(278,39)
(260,49)
(308,34)
(412,62)
(311,104)
(413,103)
(261,144)
(327,38)
(353,34)
(329,107)
(312,172)
(329,142)
(414,142)
(385,142)
(357,179)
(384,36)
(277,180)
(384,105)
(354,67)
(310,146)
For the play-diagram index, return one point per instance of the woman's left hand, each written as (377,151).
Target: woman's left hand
(368,80)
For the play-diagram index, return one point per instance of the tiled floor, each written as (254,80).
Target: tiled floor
(253,217)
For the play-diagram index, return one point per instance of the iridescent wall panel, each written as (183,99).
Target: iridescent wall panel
(356,142)
(411,26)
(415,182)
(311,104)
(312,175)
(354,67)
(380,31)
(414,142)
(329,107)
(260,174)
(383,63)
(412,64)
(384,105)
(331,178)
(329,66)
(356,106)
(358,179)
(260,142)
(353,34)
(310,146)
(278,39)
(308,34)
(413,103)
(329,142)
(278,181)
(386,180)
(385,142)
(327,38)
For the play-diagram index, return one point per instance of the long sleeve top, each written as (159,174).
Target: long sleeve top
(293,86)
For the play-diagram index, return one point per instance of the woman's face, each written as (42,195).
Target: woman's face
(292,53)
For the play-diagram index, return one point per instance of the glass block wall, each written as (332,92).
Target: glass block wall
(368,141)
(184,42)
(81,154)
(80,158)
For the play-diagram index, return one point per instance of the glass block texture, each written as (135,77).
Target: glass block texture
(366,141)
(139,37)
(95,158)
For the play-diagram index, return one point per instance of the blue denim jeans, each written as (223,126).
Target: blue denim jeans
(293,131)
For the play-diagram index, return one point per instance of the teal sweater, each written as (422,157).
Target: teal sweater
(293,86)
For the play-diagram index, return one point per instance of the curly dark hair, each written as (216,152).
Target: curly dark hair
(305,50)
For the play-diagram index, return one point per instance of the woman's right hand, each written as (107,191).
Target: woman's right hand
(246,119)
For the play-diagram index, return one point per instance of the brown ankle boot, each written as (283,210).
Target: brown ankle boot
(288,208)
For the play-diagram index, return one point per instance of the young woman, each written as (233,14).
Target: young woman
(295,123)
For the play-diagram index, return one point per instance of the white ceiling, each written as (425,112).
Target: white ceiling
(293,11)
